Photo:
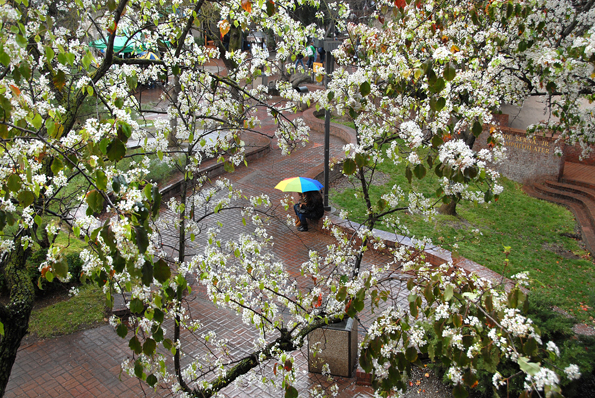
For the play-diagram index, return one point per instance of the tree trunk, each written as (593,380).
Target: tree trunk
(15,316)
(449,209)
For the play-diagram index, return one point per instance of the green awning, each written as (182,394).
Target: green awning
(121,45)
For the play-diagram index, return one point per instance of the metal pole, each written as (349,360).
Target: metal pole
(327,133)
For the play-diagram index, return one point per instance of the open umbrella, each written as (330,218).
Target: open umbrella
(149,55)
(299,184)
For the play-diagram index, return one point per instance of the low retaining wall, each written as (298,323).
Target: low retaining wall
(258,146)
(434,255)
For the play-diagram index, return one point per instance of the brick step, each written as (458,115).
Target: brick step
(587,204)
(579,211)
(571,181)
(588,192)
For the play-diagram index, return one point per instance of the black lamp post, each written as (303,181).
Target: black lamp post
(328,45)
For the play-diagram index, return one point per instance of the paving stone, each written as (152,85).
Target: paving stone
(87,363)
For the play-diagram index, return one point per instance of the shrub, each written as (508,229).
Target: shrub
(42,286)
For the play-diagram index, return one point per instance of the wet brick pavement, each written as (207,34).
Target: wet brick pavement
(87,363)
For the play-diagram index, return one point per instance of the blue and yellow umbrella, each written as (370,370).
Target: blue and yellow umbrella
(299,184)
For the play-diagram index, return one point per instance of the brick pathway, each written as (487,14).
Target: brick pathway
(87,363)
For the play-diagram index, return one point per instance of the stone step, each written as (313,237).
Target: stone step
(573,204)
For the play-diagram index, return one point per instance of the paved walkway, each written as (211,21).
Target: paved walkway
(87,363)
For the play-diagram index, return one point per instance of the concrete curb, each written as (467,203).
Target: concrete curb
(259,146)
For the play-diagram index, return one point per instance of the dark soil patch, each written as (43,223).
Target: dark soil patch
(559,250)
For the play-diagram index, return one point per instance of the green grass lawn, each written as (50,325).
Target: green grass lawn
(65,317)
(560,269)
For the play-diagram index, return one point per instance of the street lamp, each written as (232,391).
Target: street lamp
(329,46)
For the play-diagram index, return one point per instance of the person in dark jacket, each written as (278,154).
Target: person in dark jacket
(310,206)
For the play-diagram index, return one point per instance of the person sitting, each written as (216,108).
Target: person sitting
(309,206)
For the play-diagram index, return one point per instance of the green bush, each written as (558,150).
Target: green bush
(75,266)
(574,349)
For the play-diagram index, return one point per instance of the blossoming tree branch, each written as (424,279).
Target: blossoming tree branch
(420,84)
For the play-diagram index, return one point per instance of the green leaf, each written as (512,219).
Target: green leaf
(489,304)
(330,95)
(432,78)
(138,369)
(349,166)
(87,60)
(95,200)
(57,165)
(116,185)
(101,180)
(132,81)
(37,121)
(4,58)
(26,198)
(271,9)
(291,392)
(360,160)
(448,292)
(103,144)
(449,72)
(147,270)
(116,150)
(477,128)
(61,269)
(437,141)
(156,201)
(161,271)
(411,354)
(460,392)
(1,329)
(365,88)
(528,367)
(419,171)
(470,379)
(49,276)
(142,239)
(59,80)
(366,361)
(488,196)
(151,380)
(530,346)
(428,293)
(21,41)
(341,294)
(14,182)
(413,309)
(149,347)
(457,320)
(438,86)
(228,167)
(122,330)
(136,306)
(135,346)
(408,174)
